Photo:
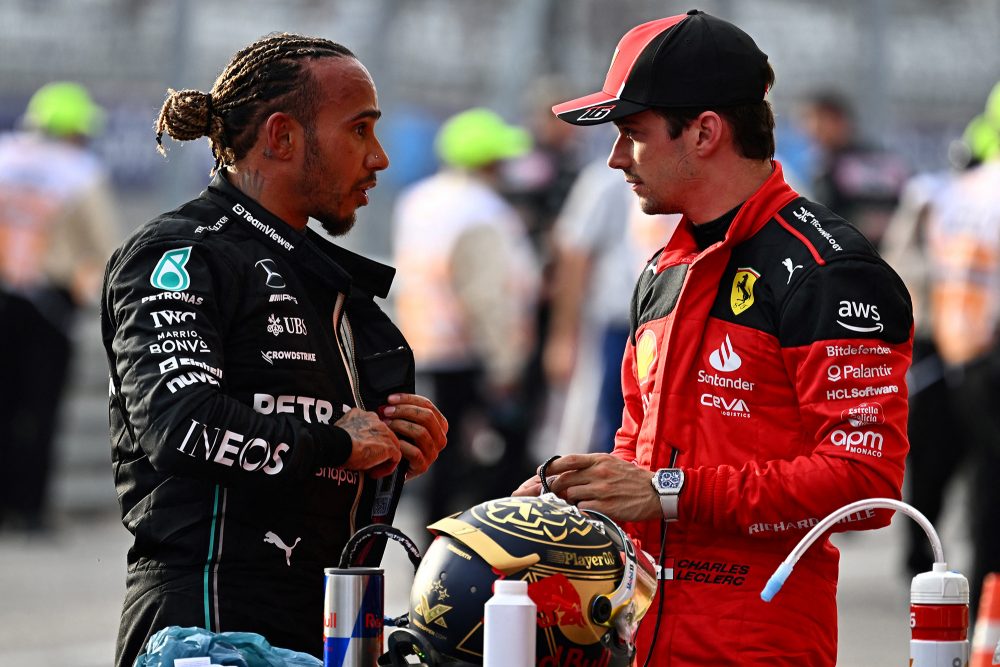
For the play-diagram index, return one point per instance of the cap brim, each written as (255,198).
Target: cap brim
(595,109)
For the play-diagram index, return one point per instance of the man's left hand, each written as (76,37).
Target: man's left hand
(421,428)
(607,484)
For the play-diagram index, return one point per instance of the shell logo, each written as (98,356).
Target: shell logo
(645,354)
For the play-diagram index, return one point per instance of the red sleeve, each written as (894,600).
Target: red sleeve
(846,337)
(628,433)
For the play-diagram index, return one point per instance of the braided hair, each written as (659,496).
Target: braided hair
(262,78)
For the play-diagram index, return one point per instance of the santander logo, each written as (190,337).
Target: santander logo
(725,358)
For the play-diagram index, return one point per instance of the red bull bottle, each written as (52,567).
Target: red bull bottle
(353,605)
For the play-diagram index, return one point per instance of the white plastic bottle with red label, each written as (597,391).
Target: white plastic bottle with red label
(511,626)
(939,619)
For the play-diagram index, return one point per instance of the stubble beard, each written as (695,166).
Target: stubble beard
(332,224)
(337,226)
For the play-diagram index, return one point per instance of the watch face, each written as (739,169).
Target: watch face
(669,480)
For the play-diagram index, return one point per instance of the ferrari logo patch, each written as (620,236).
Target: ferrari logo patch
(741,297)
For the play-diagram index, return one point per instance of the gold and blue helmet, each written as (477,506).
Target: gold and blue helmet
(590,583)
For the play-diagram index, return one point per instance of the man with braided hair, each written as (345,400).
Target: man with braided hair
(259,396)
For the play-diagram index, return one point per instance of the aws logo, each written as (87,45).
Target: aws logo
(857,310)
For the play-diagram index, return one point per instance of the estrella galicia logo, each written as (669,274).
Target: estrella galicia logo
(170,273)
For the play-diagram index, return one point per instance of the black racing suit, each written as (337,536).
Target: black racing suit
(234,343)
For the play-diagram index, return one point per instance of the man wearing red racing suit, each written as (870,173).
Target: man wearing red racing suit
(764,378)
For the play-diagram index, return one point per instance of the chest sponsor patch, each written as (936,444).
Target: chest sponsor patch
(645,355)
(864,414)
(741,297)
(169,273)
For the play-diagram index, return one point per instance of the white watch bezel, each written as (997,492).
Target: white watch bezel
(669,495)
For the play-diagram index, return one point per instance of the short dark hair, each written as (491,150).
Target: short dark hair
(262,78)
(752,123)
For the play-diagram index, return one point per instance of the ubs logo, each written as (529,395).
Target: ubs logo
(293,325)
(274,279)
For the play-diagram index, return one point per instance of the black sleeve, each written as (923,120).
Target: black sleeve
(179,412)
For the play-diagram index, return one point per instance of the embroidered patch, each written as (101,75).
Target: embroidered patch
(741,297)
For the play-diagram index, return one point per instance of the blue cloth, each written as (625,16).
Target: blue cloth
(233,649)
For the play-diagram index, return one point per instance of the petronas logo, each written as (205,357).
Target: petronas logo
(170,273)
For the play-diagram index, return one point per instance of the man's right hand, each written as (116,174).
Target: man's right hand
(374,447)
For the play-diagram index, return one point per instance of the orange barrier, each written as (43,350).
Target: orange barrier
(986,638)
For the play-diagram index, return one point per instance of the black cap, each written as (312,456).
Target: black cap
(688,60)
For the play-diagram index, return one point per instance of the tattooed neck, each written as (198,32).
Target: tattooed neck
(249,181)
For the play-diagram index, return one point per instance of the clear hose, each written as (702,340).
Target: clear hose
(777,579)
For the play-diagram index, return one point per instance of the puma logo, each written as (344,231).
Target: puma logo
(271,538)
(790,267)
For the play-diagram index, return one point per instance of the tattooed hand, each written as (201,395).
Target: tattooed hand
(422,429)
(375,448)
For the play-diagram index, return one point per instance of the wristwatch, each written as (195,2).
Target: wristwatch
(668,482)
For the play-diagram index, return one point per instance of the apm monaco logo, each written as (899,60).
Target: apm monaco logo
(867,443)
(725,358)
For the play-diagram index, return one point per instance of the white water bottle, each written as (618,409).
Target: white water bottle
(511,626)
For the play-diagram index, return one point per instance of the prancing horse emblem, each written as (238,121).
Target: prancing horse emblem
(271,538)
(742,293)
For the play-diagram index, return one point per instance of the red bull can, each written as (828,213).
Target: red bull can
(353,604)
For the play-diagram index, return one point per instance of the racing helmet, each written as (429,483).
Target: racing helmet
(590,583)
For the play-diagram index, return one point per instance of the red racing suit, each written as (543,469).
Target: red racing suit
(771,368)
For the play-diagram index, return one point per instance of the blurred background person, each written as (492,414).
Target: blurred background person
(964,252)
(938,444)
(536,184)
(602,241)
(856,179)
(465,302)
(57,228)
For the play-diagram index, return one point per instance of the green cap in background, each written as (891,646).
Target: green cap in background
(982,139)
(63,109)
(478,137)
